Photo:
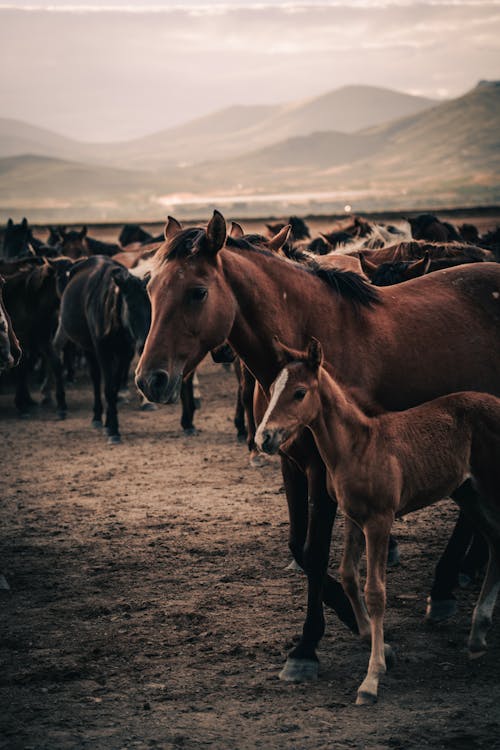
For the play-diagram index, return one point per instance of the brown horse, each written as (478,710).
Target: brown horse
(397,347)
(381,468)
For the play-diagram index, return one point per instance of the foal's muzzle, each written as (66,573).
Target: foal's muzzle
(159,387)
(269,441)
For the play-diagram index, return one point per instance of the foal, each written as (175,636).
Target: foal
(386,466)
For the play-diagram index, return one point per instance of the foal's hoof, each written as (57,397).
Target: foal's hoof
(299,670)
(365,699)
(294,567)
(440,610)
(97,424)
(114,439)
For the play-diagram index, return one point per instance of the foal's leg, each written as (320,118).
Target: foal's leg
(302,662)
(111,368)
(354,545)
(239,415)
(377,532)
(188,408)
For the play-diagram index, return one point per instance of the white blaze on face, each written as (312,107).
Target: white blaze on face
(276,389)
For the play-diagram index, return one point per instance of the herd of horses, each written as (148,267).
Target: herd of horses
(359,354)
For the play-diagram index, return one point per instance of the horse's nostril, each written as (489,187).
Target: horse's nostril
(158,380)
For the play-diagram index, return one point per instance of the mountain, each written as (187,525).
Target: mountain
(227,132)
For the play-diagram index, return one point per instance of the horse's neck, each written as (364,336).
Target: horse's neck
(341,429)
(274,298)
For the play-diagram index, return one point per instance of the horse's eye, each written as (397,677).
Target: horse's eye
(299,394)
(198,294)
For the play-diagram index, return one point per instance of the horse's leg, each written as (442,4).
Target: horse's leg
(296,488)
(187,399)
(486,517)
(302,662)
(239,415)
(442,604)
(376,532)
(56,368)
(111,365)
(69,356)
(474,562)
(23,398)
(95,374)
(354,545)
(196,391)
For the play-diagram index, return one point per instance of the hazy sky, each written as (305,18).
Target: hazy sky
(113,70)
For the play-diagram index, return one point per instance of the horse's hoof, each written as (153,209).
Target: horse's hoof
(257,460)
(365,699)
(97,424)
(148,406)
(46,401)
(190,431)
(61,414)
(241,437)
(197,403)
(390,657)
(393,558)
(294,567)
(114,439)
(440,610)
(299,670)
(24,415)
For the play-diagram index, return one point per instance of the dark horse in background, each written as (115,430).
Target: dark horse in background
(106,312)
(10,351)
(396,347)
(32,299)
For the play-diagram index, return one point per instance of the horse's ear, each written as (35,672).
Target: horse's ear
(368,267)
(172,227)
(284,354)
(236,230)
(216,232)
(276,243)
(83,232)
(419,267)
(314,354)
(10,223)
(24,222)
(62,232)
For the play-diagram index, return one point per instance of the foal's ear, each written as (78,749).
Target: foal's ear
(216,232)
(276,243)
(172,227)
(236,230)
(314,354)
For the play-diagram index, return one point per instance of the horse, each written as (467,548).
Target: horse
(17,240)
(133,233)
(429,227)
(300,230)
(10,350)
(74,244)
(32,299)
(104,311)
(383,467)
(397,347)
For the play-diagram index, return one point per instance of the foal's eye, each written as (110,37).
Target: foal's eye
(197,294)
(299,394)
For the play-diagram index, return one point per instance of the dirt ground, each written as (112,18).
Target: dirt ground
(150,607)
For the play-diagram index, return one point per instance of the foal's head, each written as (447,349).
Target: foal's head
(295,400)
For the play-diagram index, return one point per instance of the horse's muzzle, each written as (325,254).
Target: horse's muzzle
(157,386)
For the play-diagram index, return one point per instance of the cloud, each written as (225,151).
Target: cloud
(113,74)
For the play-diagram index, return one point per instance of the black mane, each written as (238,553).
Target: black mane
(347,284)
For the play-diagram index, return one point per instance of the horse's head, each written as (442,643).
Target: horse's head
(136,308)
(295,400)
(16,241)
(74,244)
(192,307)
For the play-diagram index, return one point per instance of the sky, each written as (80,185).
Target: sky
(117,70)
